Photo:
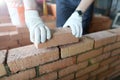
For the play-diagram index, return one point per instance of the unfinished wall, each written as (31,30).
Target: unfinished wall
(95,56)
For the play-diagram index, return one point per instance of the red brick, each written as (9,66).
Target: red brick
(51,24)
(93,78)
(25,35)
(57,65)
(6,27)
(28,56)
(49,76)
(108,61)
(61,36)
(100,58)
(69,77)
(104,74)
(2,59)
(116,31)
(8,44)
(87,70)
(84,77)
(112,47)
(116,52)
(72,68)
(98,21)
(98,71)
(116,63)
(102,38)
(25,41)
(14,35)
(90,54)
(4,36)
(24,75)
(117,67)
(48,18)
(22,29)
(69,50)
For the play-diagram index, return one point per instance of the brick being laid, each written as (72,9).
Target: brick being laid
(61,36)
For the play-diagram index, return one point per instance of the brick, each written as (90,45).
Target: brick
(14,35)
(116,52)
(24,75)
(51,24)
(84,77)
(93,78)
(69,77)
(70,50)
(108,61)
(24,41)
(22,29)
(112,47)
(25,35)
(117,67)
(116,31)
(87,70)
(98,71)
(104,74)
(8,44)
(57,65)
(49,76)
(102,38)
(4,36)
(116,63)
(89,55)
(48,18)
(7,27)
(2,59)
(28,56)
(60,36)
(72,68)
(98,21)
(100,58)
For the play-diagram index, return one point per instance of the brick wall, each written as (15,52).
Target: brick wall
(95,56)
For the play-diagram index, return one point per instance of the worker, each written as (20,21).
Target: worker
(75,14)
(39,32)
(69,13)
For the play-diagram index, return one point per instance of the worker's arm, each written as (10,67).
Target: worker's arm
(75,20)
(84,4)
(39,32)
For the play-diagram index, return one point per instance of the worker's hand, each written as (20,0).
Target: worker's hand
(39,32)
(75,23)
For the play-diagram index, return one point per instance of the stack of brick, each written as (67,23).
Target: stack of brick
(95,56)
(100,23)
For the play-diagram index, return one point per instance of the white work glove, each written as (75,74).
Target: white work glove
(75,23)
(39,32)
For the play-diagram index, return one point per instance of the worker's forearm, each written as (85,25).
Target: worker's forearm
(84,4)
(30,4)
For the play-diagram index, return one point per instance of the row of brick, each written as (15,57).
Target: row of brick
(64,67)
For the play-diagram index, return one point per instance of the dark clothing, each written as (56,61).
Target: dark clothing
(66,7)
